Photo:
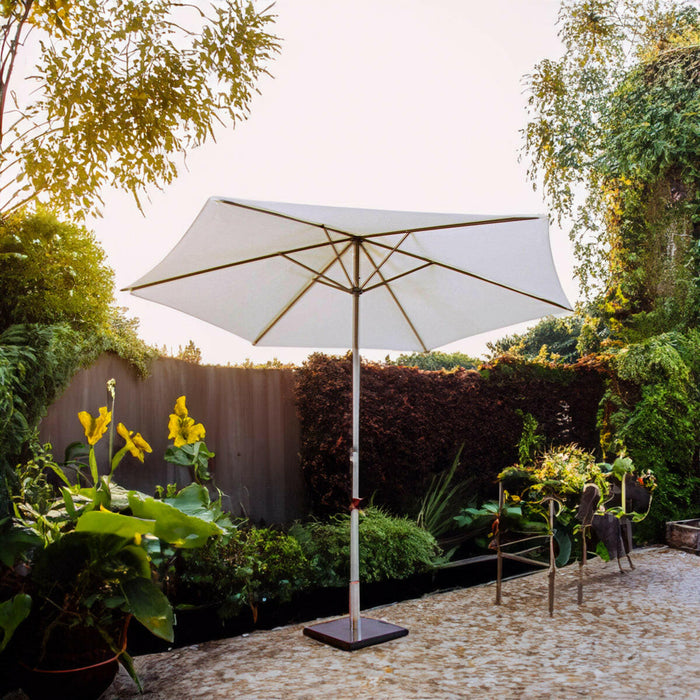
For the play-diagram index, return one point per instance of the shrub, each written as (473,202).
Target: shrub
(248,568)
(390,548)
(36,363)
(653,411)
(413,421)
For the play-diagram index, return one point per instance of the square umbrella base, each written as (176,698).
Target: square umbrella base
(338,633)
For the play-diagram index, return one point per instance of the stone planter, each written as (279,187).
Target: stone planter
(684,534)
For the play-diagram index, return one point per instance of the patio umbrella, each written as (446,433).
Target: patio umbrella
(298,275)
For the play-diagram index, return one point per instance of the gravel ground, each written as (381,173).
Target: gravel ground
(636,635)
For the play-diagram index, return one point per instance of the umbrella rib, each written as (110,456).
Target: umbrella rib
(225,266)
(326,227)
(452,268)
(340,259)
(386,257)
(440,227)
(396,301)
(396,277)
(273,322)
(320,277)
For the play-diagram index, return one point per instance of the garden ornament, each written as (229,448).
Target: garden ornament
(297,275)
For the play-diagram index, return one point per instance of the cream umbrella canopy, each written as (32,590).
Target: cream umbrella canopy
(298,275)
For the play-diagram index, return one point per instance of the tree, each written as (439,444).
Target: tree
(576,141)
(190,353)
(562,340)
(435,360)
(121,86)
(52,272)
(553,338)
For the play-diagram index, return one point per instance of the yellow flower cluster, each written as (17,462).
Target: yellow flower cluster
(183,429)
(95,428)
(134,442)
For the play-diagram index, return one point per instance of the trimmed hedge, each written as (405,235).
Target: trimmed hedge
(412,423)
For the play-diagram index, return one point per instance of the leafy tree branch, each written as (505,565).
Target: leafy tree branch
(122,88)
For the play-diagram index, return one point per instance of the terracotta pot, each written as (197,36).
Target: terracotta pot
(85,683)
(82,672)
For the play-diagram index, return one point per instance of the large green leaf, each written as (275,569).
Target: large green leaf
(194,500)
(147,603)
(172,524)
(12,612)
(108,523)
(564,544)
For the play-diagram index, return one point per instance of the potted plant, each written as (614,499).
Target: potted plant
(77,566)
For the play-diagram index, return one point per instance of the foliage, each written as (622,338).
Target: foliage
(392,548)
(412,419)
(36,363)
(554,339)
(586,120)
(120,336)
(278,567)
(119,88)
(81,579)
(435,360)
(478,521)
(274,363)
(52,272)
(530,442)
(12,613)
(85,561)
(563,471)
(561,474)
(616,120)
(653,411)
(441,499)
(249,567)
(190,353)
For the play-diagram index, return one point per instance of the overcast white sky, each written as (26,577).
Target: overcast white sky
(387,104)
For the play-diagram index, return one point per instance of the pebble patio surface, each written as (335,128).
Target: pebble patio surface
(637,635)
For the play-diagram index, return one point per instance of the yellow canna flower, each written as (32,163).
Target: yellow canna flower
(95,428)
(134,443)
(183,429)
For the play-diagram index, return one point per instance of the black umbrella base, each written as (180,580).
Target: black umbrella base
(337,633)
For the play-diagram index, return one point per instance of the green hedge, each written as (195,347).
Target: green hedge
(390,548)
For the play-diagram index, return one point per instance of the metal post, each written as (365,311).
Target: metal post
(354,513)
(552,566)
(499,558)
(582,563)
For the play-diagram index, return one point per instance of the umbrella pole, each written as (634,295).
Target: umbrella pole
(354,512)
(355,632)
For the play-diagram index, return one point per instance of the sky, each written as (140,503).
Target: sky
(395,104)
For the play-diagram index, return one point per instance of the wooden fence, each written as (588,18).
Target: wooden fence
(249,416)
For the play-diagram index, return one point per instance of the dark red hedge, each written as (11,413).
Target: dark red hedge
(412,423)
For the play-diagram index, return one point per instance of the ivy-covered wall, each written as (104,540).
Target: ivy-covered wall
(414,421)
